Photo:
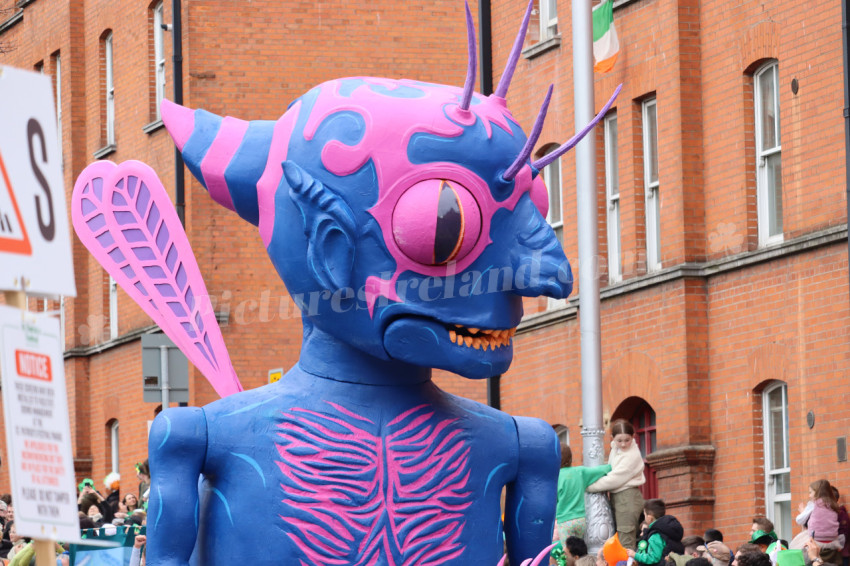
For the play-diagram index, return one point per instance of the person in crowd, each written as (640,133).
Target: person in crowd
(587,560)
(717,553)
(712,535)
(143,473)
(764,535)
(698,561)
(6,543)
(663,536)
(109,504)
(18,542)
(691,544)
(820,518)
(813,553)
(843,527)
(3,509)
(575,547)
(623,481)
(572,482)
(754,559)
(746,548)
(138,550)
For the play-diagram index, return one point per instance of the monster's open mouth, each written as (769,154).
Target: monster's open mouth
(481,339)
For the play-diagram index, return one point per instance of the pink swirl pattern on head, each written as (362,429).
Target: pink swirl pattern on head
(125,218)
(382,114)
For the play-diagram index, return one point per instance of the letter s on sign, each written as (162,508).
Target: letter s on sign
(48,229)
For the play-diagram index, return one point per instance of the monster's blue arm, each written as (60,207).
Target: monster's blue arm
(530,504)
(177,449)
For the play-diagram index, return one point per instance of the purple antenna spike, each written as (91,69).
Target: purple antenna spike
(472,67)
(550,157)
(508,74)
(532,139)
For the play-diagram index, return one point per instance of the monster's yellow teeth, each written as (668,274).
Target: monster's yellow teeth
(481,339)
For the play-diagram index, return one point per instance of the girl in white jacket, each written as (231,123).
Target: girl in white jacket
(623,481)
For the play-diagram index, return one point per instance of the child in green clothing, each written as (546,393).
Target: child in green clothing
(664,535)
(572,482)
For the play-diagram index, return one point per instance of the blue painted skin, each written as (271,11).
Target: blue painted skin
(357,375)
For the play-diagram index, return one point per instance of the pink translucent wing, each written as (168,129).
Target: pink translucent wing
(90,226)
(125,218)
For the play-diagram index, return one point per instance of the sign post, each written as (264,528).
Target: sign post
(35,252)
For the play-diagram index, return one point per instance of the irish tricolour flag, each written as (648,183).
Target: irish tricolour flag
(605,43)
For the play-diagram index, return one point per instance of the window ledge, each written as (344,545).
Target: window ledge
(153,126)
(542,47)
(12,20)
(105,150)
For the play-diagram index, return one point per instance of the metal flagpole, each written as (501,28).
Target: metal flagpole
(598,513)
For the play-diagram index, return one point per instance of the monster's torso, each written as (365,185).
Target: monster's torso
(319,472)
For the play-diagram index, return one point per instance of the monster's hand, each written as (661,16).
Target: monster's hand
(530,507)
(177,446)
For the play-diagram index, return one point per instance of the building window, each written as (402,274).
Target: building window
(113,308)
(612,195)
(552,180)
(109,93)
(768,154)
(57,85)
(548,19)
(113,445)
(650,185)
(158,57)
(643,420)
(777,470)
(39,67)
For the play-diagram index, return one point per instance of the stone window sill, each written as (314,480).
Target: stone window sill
(153,126)
(105,150)
(542,47)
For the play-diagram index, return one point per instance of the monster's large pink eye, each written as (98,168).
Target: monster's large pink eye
(436,222)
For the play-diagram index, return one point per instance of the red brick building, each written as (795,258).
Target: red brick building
(111,61)
(724,281)
(723,249)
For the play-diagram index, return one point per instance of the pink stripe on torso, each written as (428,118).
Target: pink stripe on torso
(218,157)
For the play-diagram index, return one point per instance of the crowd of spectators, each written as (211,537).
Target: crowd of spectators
(101,513)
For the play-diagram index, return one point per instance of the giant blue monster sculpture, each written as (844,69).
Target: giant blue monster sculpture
(408,222)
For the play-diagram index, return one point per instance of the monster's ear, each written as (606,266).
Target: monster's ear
(329,226)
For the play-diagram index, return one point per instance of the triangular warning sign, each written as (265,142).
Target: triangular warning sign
(13,232)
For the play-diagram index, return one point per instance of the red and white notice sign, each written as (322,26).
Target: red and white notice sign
(38,434)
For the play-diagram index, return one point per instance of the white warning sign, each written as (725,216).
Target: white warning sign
(35,240)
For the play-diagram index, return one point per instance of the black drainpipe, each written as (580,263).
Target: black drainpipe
(177,29)
(485,49)
(846,118)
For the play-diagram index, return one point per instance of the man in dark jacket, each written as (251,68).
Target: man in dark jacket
(664,535)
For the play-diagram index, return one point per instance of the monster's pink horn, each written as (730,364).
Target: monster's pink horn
(228,156)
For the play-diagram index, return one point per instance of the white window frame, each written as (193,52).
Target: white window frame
(651,189)
(548,21)
(612,197)
(110,90)
(113,308)
(556,224)
(113,446)
(771,498)
(763,188)
(159,56)
(57,76)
